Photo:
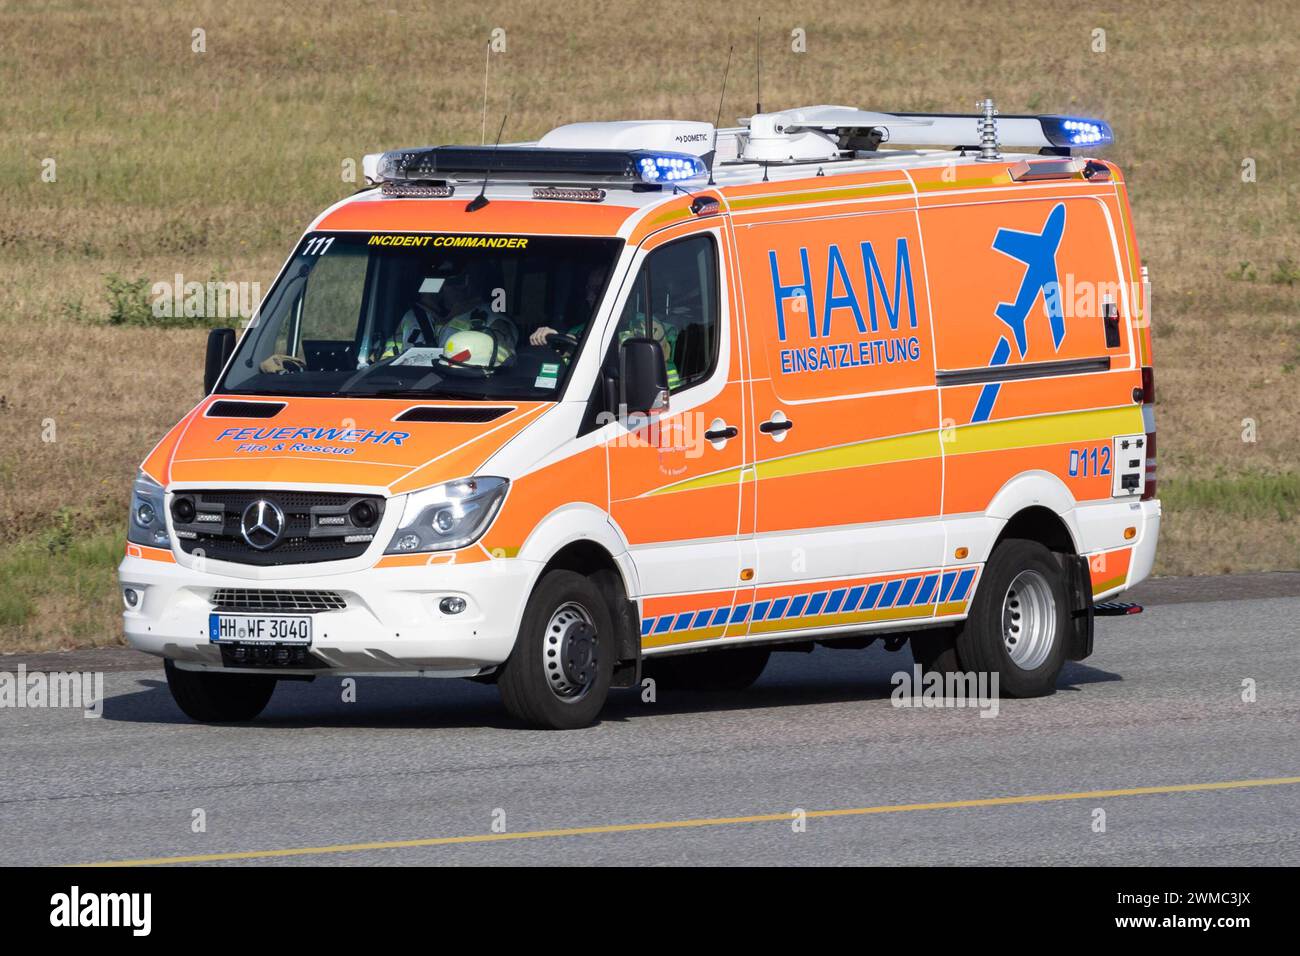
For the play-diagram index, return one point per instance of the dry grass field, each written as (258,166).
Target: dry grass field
(209,164)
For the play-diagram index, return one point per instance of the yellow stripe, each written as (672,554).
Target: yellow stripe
(1112,583)
(669,638)
(825,195)
(708,822)
(854,617)
(1001,179)
(966,439)
(1044,430)
(878,451)
(670,215)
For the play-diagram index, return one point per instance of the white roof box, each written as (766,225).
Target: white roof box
(677,136)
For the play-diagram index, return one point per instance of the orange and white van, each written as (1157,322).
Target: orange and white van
(544,413)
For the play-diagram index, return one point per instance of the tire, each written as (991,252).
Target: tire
(558,675)
(218,698)
(1018,621)
(717,670)
(936,650)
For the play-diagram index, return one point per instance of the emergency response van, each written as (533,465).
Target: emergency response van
(659,397)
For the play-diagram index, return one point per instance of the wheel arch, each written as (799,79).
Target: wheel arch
(1037,506)
(578,538)
(1041,524)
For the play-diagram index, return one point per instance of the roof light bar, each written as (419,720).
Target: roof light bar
(418,190)
(533,162)
(1077,131)
(1038,132)
(570,193)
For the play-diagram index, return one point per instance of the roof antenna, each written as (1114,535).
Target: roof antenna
(714,154)
(481,200)
(487,63)
(758,69)
(988,130)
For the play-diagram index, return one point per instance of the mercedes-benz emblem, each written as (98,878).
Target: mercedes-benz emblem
(262,524)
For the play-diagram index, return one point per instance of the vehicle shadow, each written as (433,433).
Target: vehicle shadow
(791,680)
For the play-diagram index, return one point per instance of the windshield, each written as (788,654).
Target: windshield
(425,314)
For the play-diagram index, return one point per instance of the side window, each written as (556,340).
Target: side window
(675,301)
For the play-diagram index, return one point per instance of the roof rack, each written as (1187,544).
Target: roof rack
(655,153)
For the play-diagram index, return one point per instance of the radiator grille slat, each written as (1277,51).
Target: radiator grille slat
(272,601)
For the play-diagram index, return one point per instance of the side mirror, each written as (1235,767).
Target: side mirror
(643,377)
(221,345)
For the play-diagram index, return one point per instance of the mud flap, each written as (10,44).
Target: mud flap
(1078,591)
(627,669)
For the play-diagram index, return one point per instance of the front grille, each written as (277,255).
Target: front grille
(317,525)
(268,601)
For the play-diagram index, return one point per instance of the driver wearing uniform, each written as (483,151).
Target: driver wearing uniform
(445,306)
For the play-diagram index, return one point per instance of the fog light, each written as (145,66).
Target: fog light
(130,597)
(183,510)
(451,605)
(363,514)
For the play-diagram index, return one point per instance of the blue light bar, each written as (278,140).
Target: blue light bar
(530,163)
(1077,131)
(669,167)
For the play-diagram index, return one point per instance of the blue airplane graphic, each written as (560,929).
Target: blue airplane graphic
(1038,252)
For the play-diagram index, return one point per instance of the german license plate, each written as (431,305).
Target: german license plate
(258,629)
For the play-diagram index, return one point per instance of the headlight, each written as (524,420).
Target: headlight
(147,523)
(448,516)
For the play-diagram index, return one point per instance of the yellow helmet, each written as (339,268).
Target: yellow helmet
(471,347)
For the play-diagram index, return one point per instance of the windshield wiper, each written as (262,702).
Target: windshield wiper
(407,393)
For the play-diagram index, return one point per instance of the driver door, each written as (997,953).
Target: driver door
(675,478)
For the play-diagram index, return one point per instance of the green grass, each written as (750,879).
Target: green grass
(66,567)
(1252,495)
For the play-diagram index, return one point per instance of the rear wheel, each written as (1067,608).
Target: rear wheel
(1018,620)
(729,669)
(558,674)
(218,698)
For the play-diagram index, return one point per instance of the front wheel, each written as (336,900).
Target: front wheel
(1018,620)
(218,698)
(558,675)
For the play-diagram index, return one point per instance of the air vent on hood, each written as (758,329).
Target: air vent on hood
(462,414)
(228,409)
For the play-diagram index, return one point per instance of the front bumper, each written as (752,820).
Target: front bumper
(391,623)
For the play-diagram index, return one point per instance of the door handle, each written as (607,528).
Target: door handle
(720,433)
(776,426)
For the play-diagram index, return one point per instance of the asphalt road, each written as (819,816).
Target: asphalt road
(1159,705)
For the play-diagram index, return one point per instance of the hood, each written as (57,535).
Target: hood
(397,445)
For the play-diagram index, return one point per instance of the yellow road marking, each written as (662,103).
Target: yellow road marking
(702,822)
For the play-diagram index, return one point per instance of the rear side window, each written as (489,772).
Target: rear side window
(674,300)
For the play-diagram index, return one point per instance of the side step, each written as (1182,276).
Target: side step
(1116,608)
